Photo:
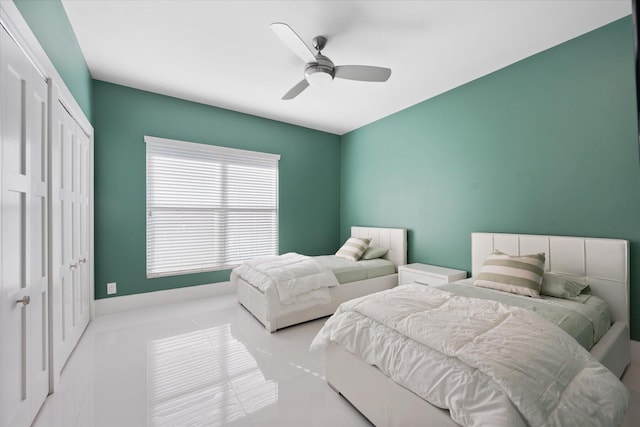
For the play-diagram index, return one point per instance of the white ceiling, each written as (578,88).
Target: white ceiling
(223,53)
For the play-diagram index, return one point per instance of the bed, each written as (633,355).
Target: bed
(604,264)
(275,316)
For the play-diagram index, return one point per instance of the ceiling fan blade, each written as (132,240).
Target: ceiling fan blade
(364,73)
(293,41)
(295,91)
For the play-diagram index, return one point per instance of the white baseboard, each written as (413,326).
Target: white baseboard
(635,353)
(149,299)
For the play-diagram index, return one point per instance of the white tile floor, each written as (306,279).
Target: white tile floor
(206,362)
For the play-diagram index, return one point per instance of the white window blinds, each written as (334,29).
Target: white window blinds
(208,207)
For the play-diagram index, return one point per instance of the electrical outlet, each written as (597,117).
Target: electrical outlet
(111,288)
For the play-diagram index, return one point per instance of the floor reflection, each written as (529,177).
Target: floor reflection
(205,362)
(194,381)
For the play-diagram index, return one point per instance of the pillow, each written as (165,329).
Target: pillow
(516,274)
(353,248)
(567,287)
(374,252)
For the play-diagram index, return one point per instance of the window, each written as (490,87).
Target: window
(208,207)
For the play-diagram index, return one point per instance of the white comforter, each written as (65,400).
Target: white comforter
(489,364)
(293,277)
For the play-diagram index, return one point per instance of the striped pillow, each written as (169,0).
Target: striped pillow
(516,274)
(353,248)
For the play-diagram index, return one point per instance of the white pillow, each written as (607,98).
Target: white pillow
(353,248)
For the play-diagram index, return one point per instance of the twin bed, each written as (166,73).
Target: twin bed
(480,362)
(357,373)
(354,278)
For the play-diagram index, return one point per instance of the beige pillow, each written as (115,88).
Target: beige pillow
(353,248)
(374,252)
(567,287)
(516,274)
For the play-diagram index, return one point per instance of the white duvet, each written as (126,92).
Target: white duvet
(292,277)
(489,364)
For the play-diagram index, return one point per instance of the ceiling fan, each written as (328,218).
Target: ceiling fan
(320,70)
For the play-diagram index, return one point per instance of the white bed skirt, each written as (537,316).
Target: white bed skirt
(254,301)
(378,397)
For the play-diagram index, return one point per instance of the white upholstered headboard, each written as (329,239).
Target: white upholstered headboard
(604,262)
(394,239)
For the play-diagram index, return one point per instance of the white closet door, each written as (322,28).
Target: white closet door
(70,284)
(23,297)
(85,169)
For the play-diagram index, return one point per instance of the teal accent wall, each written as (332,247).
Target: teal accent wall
(545,146)
(50,24)
(309,172)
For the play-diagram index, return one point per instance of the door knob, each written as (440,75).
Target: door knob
(25,300)
(83,260)
(73,266)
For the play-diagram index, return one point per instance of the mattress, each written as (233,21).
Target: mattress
(585,321)
(349,271)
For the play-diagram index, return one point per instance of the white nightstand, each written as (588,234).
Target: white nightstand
(426,274)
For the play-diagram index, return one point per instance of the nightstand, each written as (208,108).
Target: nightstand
(426,274)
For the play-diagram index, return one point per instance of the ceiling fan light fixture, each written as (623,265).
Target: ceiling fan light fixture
(317,75)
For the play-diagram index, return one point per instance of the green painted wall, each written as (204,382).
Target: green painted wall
(309,173)
(50,24)
(545,146)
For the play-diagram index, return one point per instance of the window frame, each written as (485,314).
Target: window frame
(234,157)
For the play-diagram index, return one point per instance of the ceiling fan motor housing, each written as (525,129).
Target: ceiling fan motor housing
(320,72)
